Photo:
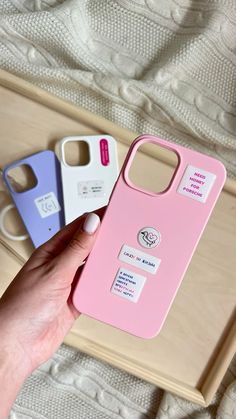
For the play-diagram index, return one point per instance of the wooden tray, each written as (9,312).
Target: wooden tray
(198,340)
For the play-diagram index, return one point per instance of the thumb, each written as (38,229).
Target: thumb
(80,245)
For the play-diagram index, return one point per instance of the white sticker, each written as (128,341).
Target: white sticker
(128,285)
(148,263)
(91,188)
(196,183)
(47,204)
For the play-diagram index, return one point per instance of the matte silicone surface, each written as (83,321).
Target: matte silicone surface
(178,218)
(41,208)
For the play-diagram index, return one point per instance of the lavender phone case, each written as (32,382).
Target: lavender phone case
(41,208)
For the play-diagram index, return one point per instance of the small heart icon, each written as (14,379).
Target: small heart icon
(152,237)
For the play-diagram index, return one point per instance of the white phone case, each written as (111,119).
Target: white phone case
(88,187)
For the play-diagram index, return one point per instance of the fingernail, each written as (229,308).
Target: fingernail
(91,223)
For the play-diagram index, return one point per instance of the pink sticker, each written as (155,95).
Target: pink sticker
(104,152)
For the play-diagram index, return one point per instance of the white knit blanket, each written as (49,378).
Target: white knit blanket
(165,67)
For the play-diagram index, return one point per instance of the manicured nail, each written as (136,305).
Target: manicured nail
(91,223)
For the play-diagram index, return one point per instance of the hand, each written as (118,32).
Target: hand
(36,311)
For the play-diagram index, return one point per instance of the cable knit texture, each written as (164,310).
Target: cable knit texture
(167,67)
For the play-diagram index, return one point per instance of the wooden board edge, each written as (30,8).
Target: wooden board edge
(100,352)
(222,361)
(75,112)
(9,249)
(64,107)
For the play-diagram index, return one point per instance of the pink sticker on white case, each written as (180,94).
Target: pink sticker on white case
(104,152)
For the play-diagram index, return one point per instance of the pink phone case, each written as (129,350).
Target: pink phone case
(146,242)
